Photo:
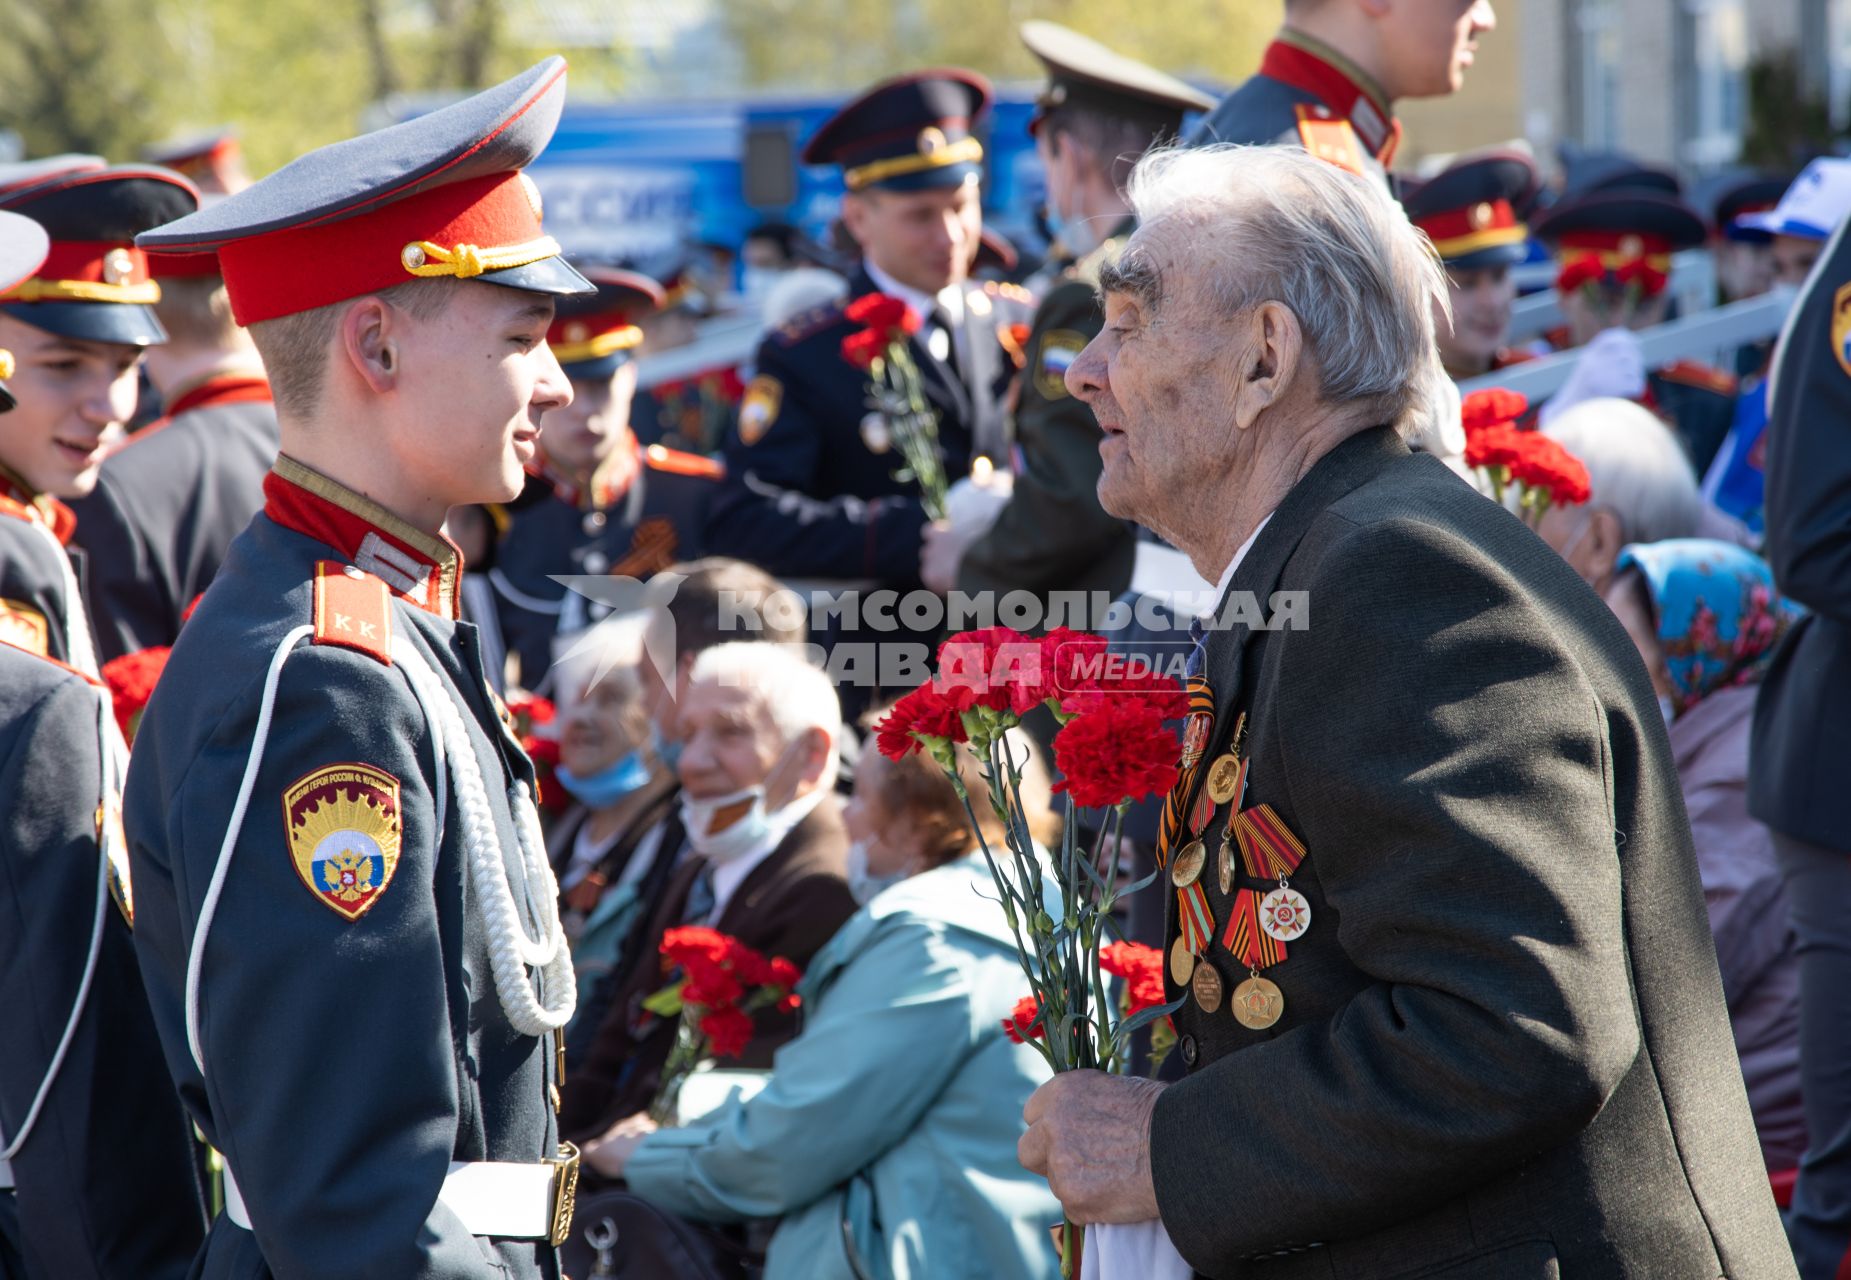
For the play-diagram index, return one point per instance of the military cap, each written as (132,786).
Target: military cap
(1086,75)
(1630,234)
(94,284)
(1473,210)
(1742,198)
(911,133)
(592,335)
(1584,172)
(197,155)
(27,173)
(439,196)
(1812,207)
(23,245)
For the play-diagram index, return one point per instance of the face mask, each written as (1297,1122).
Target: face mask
(745,835)
(1666,709)
(665,749)
(864,884)
(607,786)
(1076,235)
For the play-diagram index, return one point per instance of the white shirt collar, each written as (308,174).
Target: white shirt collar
(1240,553)
(950,299)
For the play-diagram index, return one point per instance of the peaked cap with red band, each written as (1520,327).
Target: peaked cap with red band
(23,245)
(439,196)
(595,334)
(94,284)
(911,133)
(1473,210)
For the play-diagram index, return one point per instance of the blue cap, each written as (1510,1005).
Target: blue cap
(1812,207)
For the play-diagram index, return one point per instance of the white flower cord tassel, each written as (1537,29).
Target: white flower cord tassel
(511,950)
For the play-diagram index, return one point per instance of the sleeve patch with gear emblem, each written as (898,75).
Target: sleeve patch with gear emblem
(1841,327)
(24,627)
(758,408)
(1057,351)
(344,834)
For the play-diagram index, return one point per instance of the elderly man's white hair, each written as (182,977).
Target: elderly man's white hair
(609,652)
(797,693)
(1635,468)
(1276,224)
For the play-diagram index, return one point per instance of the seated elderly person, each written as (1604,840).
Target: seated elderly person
(885,1137)
(1706,620)
(1449,1005)
(767,859)
(1643,489)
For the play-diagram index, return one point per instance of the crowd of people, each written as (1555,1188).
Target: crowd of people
(389,684)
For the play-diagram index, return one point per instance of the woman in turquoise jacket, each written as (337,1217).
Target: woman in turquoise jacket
(885,1138)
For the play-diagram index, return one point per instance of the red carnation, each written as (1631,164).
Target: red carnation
(923,713)
(1545,464)
(862,347)
(998,668)
(1020,1024)
(1490,407)
(885,315)
(1650,279)
(783,974)
(1586,269)
(131,679)
(1142,969)
(1116,753)
(1495,446)
(728,1031)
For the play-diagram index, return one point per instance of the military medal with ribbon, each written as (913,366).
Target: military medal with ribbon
(1196,921)
(1260,926)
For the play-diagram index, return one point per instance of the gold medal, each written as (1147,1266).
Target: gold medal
(1224,867)
(1257,1003)
(1182,963)
(1187,868)
(1224,779)
(1206,983)
(1284,914)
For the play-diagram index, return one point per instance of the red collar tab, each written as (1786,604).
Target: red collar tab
(90,271)
(1304,63)
(458,229)
(1483,224)
(18,499)
(417,567)
(224,388)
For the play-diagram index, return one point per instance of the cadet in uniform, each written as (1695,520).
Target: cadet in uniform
(1473,211)
(811,490)
(96,1170)
(77,330)
(1614,246)
(596,501)
(347,924)
(168,503)
(1098,114)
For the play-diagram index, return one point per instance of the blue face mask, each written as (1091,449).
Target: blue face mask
(607,786)
(665,750)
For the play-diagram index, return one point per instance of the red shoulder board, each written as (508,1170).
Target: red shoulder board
(352,609)
(1694,373)
(674,461)
(1332,141)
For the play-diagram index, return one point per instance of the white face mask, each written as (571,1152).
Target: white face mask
(864,884)
(738,839)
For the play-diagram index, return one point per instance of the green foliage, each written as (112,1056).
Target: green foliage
(1786,126)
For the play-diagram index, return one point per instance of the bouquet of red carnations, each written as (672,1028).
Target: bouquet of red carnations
(722,984)
(1534,471)
(897,394)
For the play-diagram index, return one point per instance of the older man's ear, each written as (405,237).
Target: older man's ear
(1269,365)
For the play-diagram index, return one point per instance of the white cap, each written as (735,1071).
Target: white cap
(1812,207)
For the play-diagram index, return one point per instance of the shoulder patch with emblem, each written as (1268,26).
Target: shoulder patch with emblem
(344,832)
(1057,350)
(758,408)
(1841,327)
(352,609)
(807,322)
(1332,141)
(24,627)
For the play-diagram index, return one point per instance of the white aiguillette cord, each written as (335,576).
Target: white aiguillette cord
(511,951)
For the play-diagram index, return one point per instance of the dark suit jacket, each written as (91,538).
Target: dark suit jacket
(788,905)
(1802,732)
(1504,1050)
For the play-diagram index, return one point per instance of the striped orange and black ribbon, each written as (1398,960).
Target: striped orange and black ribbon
(1170,822)
(1256,948)
(1194,920)
(1268,848)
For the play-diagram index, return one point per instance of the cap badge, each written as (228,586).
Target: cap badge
(118,267)
(931,140)
(1481,216)
(577,332)
(412,257)
(1632,246)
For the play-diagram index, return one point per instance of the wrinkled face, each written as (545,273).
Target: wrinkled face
(874,823)
(1794,257)
(473,381)
(1481,300)
(602,725)
(1427,45)
(74,397)
(1160,379)
(729,739)
(1744,270)
(926,240)
(584,433)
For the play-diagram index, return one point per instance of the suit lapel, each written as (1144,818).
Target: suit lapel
(982,373)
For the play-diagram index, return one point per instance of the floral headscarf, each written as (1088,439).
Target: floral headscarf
(1719,617)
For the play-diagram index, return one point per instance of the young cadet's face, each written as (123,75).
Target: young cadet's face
(1481,303)
(926,240)
(73,398)
(476,379)
(587,431)
(1427,45)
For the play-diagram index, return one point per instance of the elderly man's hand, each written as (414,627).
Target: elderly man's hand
(1089,1136)
(940,553)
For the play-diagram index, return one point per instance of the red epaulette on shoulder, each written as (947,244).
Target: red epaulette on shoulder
(675,462)
(1694,373)
(352,609)
(90,680)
